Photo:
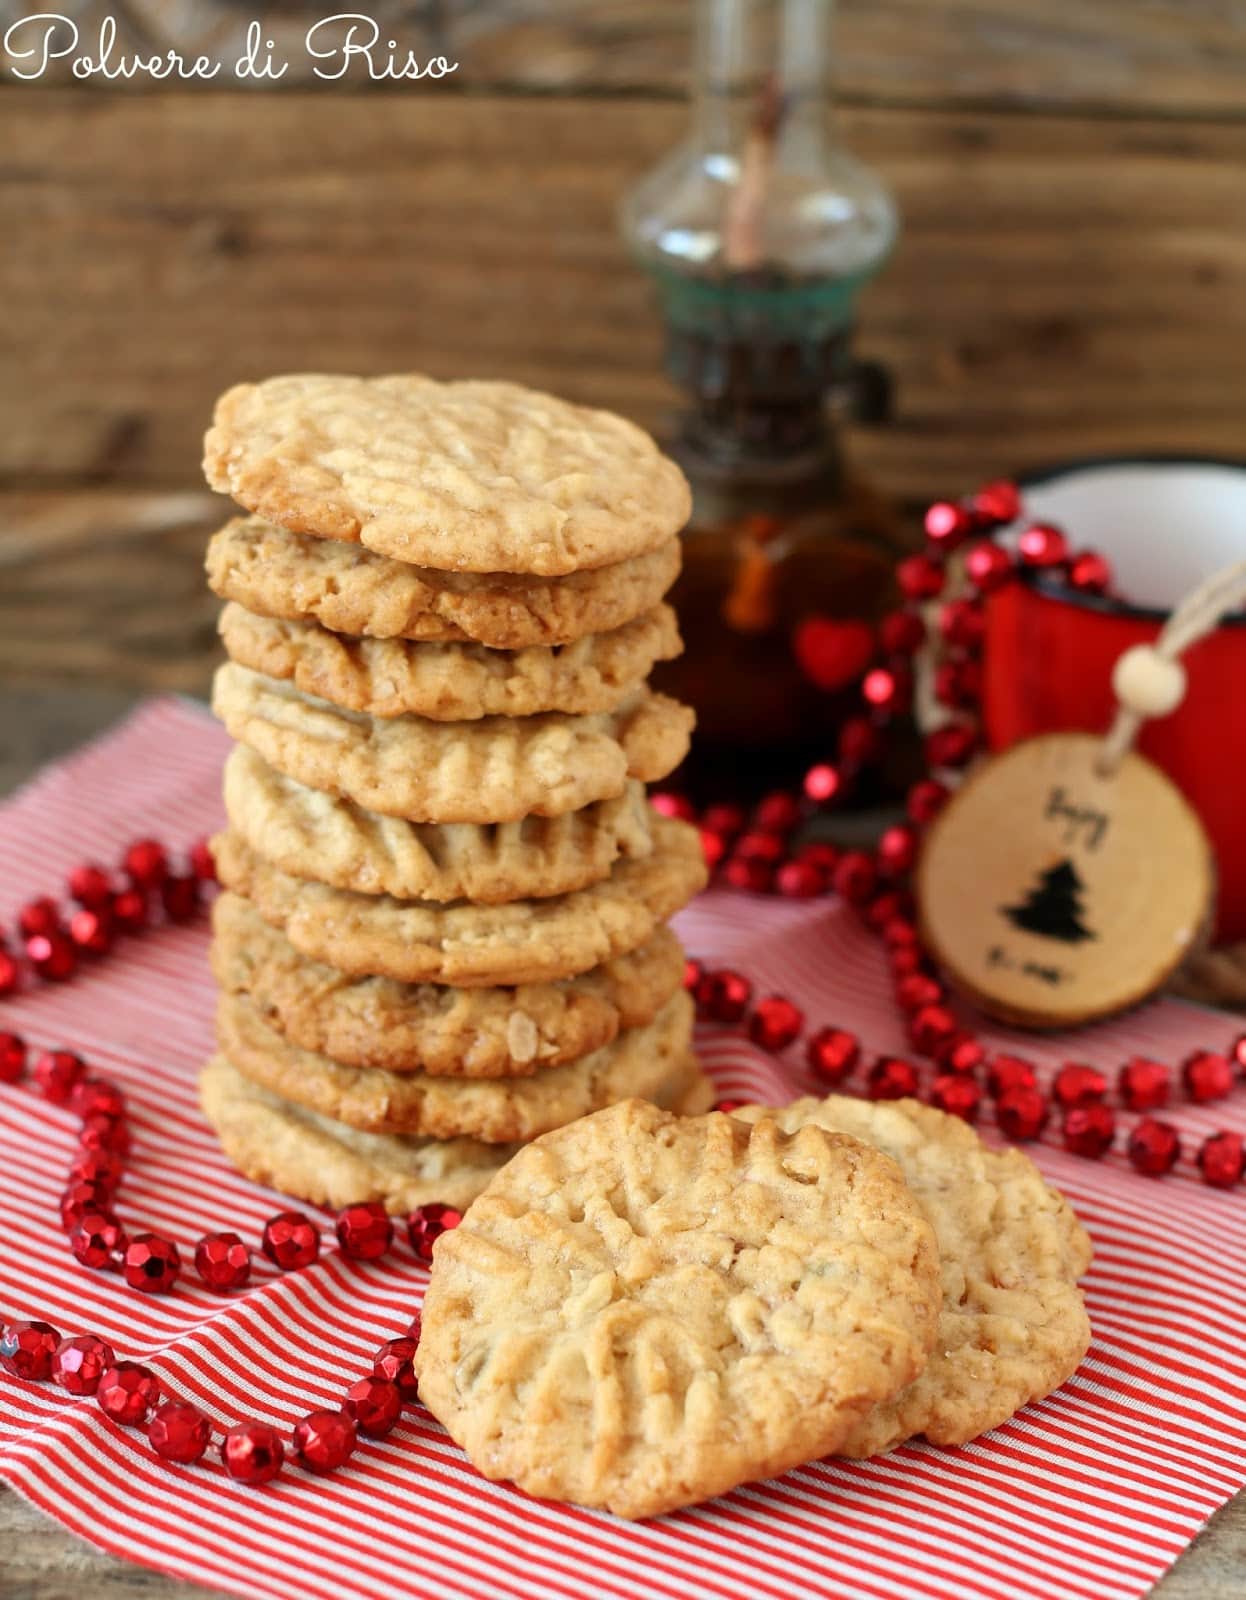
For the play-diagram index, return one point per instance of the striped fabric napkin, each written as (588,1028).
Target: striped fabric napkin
(1091,1493)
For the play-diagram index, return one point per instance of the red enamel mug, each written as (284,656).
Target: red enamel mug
(1165,524)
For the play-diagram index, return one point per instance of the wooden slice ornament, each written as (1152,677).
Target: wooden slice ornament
(1069,878)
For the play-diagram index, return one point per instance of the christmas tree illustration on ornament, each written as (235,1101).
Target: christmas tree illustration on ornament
(1053,908)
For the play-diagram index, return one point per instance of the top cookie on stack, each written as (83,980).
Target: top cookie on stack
(442,615)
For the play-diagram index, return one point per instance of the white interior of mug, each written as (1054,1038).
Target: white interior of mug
(1164,525)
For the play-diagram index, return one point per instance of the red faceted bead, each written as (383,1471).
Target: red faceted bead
(97,1097)
(962,624)
(252,1452)
(58,1073)
(80,1198)
(832,1053)
(79,1364)
(694,971)
(958,684)
(1154,1147)
(823,783)
(202,862)
(1021,1113)
(374,1405)
(179,1432)
(290,1240)
(1143,1085)
(146,863)
(101,1167)
(888,690)
(998,502)
(750,876)
(1222,1159)
(42,916)
(901,633)
(962,1054)
(151,1263)
(920,577)
(394,1361)
(713,847)
(222,1261)
(426,1224)
(947,524)
(892,1078)
(10,974)
(97,1239)
(855,877)
(925,800)
(951,745)
(725,818)
(930,1027)
(104,1133)
(1089,573)
(27,1349)
(179,895)
(860,743)
(364,1231)
(1089,1129)
(775,1023)
(1207,1076)
(800,880)
(90,886)
(323,1441)
(129,911)
(917,991)
(1041,545)
(91,931)
(1077,1084)
(53,956)
(957,1095)
(1006,1073)
(415,1327)
(819,853)
(12,1057)
(887,906)
(758,846)
(987,566)
(668,804)
(908,959)
(723,995)
(128,1393)
(778,812)
(897,850)
(899,932)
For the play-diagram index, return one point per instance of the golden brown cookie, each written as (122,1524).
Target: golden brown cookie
(329,1164)
(642,1311)
(310,834)
(465,1033)
(465,476)
(453,682)
(651,1062)
(277,573)
(497,769)
(528,941)
(1014,1324)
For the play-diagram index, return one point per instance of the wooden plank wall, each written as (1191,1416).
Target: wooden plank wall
(1072,275)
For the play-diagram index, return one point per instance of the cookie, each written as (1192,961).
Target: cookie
(642,1311)
(497,769)
(453,682)
(528,941)
(465,476)
(465,1033)
(1013,1325)
(310,834)
(277,573)
(651,1062)
(329,1164)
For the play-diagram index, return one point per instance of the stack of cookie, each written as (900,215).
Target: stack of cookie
(442,931)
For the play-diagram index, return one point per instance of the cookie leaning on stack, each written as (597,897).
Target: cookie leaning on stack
(442,926)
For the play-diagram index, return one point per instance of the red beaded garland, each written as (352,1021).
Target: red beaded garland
(917,991)
(725,818)
(947,524)
(778,812)
(52,955)
(1143,1085)
(998,502)
(79,1363)
(58,1072)
(91,931)
(102,1132)
(426,1224)
(987,566)
(146,863)
(930,1027)
(956,1094)
(27,1349)
(97,1239)
(724,995)
(323,1441)
(151,1263)
(179,895)
(290,1240)
(749,874)
(713,847)
(1006,1073)
(374,1405)
(1207,1076)
(101,1167)
(90,886)
(1089,1128)
(202,862)
(222,1261)
(855,877)
(860,743)
(832,1053)
(897,850)
(179,1431)
(129,911)
(365,1230)
(252,1452)
(1021,1112)
(12,1057)
(962,624)
(1077,1084)
(775,1023)
(892,1078)
(1154,1147)
(668,804)
(901,633)
(128,1393)
(822,783)
(800,880)
(920,577)
(94,1097)
(10,974)
(80,1198)
(758,845)
(395,1361)
(1090,573)
(888,690)
(926,799)
(962,1055)
(41,916)
(1040,545)
(951,745)
(1222,1159)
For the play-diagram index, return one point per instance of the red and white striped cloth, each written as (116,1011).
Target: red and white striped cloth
(1091,1493)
